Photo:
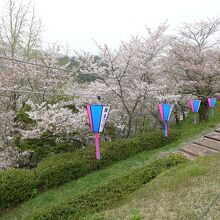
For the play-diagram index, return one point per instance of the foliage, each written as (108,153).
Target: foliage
(7,127)
(111,131)
(16,185)
(63,194)
(174,190)
(193,61)
(132,79)
(47,145)
(19,185)
(21,29)
(82,78)
(62,168)
(107,194)
(23,117)
(130,74)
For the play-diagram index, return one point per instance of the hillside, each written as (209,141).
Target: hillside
(189,191)
(79,188)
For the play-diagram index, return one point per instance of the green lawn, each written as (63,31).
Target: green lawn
(186,192)
(75,188)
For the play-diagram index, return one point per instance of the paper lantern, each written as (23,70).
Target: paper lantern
(98,115)
(211,102)
(195,104)
(165,111)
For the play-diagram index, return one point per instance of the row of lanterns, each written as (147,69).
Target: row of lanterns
(195,104)
(98,114)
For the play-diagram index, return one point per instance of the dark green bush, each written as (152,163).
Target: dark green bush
(23,117)
(46,146)
(16,185)
(62,168)
(107,194)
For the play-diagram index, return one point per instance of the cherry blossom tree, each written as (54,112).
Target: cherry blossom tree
(193,60)
(133,79)
(20,39)
(61,120)
(131,74)
(20,33)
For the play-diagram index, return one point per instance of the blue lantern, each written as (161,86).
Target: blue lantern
(98,115)
(195,104)
(165,111)
(211,102)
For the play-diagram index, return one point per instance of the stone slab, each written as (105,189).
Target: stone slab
(217,130)
(209,143)
(197,150)
(215,136)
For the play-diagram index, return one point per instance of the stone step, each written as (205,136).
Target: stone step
(217,130)
(208,143)
(189,156)
(214,136)
(197,150)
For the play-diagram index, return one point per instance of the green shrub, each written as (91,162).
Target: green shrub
(46,146)
(107,194)
(23,117)
(62,168)
(16,185)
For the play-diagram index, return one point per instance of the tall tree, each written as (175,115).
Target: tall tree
(130,73)
(20,29)
(193,61)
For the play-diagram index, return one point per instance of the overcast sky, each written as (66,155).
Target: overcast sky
(77,22)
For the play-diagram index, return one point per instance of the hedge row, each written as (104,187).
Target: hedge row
(62,168)
(16,186)
(20,185)
(103,196)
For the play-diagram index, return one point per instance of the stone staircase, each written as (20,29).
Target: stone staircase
(208,144)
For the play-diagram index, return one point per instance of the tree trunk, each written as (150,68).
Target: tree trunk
(183,113)
(177,119)
(182,110)
(129,128)
(204,110)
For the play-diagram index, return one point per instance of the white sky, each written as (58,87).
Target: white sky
(77,22)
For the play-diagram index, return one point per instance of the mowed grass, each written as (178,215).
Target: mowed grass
(186,192)
(63,193)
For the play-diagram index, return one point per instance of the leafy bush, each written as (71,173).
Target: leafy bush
(16,185)
(46,146)
(23,117)
(62,168)
(103,196)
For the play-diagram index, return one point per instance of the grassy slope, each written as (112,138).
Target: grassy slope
(63,193)
(183,192)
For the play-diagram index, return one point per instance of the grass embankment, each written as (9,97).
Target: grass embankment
(63,194)
(189,191)
(100,197)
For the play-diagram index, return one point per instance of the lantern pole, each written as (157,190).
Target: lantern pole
(98,156)
(212,112)
(194,119)
(165,128)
